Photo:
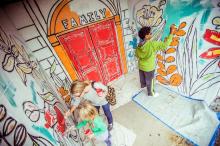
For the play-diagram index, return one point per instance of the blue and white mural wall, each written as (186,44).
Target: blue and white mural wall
(30,110)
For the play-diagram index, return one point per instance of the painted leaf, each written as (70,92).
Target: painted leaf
(180,32)
(161,72)
(53,67)
(161,65)
(35,144)
(175,30)
(171,69)
(62,91)
(170,50)
(9,126)
(162,80)
(20,135)
(182,25)
(160,57)
(45,132)
(175,41)
(176,79)
(8,63)
(47,96)
(24,67)
(208,80)
(170,59)
(3,112)
(40,141)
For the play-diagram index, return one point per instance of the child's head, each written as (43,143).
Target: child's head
(145,33)
(86,110)
(78,87)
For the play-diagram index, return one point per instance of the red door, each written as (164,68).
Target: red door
(80,49)
(94,51)
(105,42)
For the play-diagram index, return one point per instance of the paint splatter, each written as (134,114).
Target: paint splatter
(204,18)
(202,61)
(60,120)
(49,118)
(133,43)
(34,96)
(130,54)
(200,44)
(8,89)
(45,132)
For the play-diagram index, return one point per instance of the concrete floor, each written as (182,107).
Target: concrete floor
(149,131)
(135,122)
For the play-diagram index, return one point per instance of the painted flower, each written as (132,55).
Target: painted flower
(149,16)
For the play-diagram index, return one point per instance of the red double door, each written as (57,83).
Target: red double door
(94,51)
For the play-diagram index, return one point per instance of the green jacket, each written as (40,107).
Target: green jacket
(146,54)
(98,128)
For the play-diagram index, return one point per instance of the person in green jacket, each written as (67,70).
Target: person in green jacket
(146,55)
(94,126)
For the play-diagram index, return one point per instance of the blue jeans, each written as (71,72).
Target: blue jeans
(107,112)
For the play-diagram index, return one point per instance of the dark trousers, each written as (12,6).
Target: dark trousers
(107,112)
(147,80)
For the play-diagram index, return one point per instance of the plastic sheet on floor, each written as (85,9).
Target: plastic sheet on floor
(191,119)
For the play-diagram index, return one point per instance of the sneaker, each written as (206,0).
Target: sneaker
(156,94)
(110,127)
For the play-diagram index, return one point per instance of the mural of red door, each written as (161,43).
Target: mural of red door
(80,49)
(94,51)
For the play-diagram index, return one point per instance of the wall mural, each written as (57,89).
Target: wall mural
(33,117)
(190,65)
(94,38)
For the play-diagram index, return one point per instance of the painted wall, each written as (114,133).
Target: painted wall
(191,65)
(47,20)
(34,61)
(31,112)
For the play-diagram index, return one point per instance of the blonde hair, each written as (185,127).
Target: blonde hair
(78,86)
(86,110)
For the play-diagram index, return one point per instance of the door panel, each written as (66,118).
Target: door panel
(79,48)
(104,39)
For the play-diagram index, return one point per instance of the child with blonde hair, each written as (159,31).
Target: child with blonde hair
(94,126)
(87,90)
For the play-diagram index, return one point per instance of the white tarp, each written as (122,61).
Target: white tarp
(190,118)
